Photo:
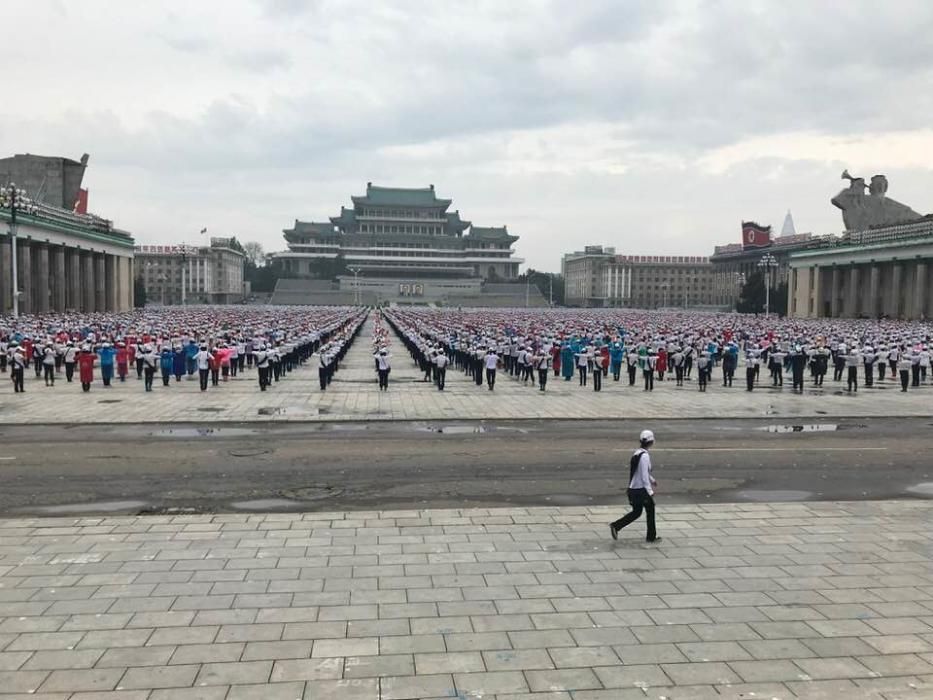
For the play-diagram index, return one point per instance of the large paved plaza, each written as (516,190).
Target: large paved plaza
(354,395)
(815,600)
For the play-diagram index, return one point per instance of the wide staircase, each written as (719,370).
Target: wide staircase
(302,292)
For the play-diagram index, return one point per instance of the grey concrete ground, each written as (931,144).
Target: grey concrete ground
(815,600)
(354,396)
(361,466)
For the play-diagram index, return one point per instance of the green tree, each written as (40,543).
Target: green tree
(254,253)
(329,268)
(546,282)
(139,293)
(752,296)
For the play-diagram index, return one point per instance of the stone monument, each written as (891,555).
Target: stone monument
(861,211)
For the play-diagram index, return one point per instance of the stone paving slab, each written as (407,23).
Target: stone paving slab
(790,600)
(354,396)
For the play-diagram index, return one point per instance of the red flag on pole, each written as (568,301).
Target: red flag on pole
(755,235)
(81,204)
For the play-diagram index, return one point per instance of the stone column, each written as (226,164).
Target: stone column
(110,283)
(834,309)
(100,280)
(851,300)
(918,307)
(73,289)
(873,307)
(6,276)
(129,270)
(42,277)
(24,260)
(58,278)
(896,281)
(88,283)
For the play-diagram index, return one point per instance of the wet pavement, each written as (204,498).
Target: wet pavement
(360,466)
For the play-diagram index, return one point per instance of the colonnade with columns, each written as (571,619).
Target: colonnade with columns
(60,277)
(896,288)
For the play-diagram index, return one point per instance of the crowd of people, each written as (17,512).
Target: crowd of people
(642,347)
(210,344)
(588,347)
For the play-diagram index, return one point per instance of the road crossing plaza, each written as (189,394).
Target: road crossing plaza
(354,396)
(781,601)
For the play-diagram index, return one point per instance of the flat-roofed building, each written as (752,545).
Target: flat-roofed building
(597,276)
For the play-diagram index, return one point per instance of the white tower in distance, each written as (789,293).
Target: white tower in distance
(788,228)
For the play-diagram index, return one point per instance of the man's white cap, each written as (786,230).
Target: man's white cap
(646,436)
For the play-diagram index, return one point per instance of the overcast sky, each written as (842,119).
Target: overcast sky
(651,126)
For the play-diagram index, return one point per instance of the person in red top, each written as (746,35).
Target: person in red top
(123,359)
(555,358)
(86,359)
(604,351)
(662,363)
(214,364)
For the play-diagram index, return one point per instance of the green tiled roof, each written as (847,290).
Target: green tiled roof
(401,196)
(347,218)
(491,233)
(455,224)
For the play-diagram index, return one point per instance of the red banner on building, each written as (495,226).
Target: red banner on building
(755,235)
(81,204)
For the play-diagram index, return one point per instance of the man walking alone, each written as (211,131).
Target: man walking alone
(640,489)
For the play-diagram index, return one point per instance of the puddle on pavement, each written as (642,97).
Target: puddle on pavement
(92,507)
(270,504)
(258,452)
(293,411)
(455,429)
(212,409)
(313,493)
(110,401)
(568,499)
(203,432)
(778,495)
(810,428)
(923,489)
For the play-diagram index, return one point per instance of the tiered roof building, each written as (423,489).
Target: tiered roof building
(401,233)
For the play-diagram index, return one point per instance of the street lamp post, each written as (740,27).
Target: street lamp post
(184,270)
(356,284)
(767,263)
(15,200)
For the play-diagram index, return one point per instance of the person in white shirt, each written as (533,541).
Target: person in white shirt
(640,489)
(492,362)
(383,367)
(904,366)
(440,367)
(853,360)
(542,362)
(261,358)
(596,357)
(203,359)
(70,359)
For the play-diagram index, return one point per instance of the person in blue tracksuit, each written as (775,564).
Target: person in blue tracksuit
(166,364)
(566,362)
(107,354)
(178,362)
(191,352)
(616,357)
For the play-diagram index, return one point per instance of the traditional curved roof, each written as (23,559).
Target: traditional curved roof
(491,233)
(401,196)
(346,219)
